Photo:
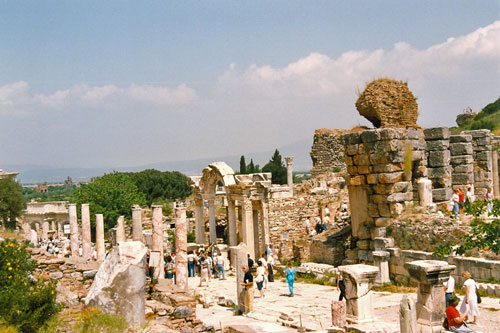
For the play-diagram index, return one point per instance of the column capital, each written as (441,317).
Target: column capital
(289,160)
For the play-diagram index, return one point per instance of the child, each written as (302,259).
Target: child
(290,277)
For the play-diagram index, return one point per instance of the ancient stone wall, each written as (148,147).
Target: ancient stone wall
(462,160)
(483,161)
(327,152)
(381,166)
(439,170)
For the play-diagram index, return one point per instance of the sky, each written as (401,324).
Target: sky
(127,83)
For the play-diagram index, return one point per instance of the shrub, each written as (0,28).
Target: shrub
(24,303)
(94,320)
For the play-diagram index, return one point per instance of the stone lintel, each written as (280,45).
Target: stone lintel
(432,272)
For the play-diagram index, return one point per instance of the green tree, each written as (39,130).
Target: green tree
(251,167)
(243,166)
(276,166)
(11,202)
(112,195)
(24,304)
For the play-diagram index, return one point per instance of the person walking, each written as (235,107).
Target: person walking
(248,284)
(456,206)
(220,266)
(341,286)
(489,200)
(263,262)
(250,263)
(260,277)
(270,264)
(469,303)
(461,200)
(191,264)
(290,277)
(456,321)
(203,271)
(449,289)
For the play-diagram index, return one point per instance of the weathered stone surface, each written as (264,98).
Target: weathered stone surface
(382,243)
(437,133)
(425,191)
(407,315)
(466,168)
(181,263)
(370,136)
(388,178)
(183,312)
(461,149)
(351,138)
(460,160)
(119,285)
(399,197)
(441,194)
(438,145)
(99,237)
(391,167)
(460,138)
(338,313)
(86,238)
(462,178)
(388,103)
(55,275)
(327,152)
(89,274)
(440,172)
(392,133)
(73,224)
(439,158)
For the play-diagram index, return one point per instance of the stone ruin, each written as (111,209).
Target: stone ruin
(388,103)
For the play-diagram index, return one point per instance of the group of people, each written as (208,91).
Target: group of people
(460,198)
(206,264)
(457,318)
(322,221)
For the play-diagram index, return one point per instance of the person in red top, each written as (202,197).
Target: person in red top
(461,200)
(456,321)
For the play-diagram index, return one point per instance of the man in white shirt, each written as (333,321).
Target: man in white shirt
(449,289)
(264,264)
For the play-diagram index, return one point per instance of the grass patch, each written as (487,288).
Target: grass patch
(392,288)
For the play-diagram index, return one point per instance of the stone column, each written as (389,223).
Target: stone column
(407,315)
(137,224)
(38,231)
(99,237)
(86,240)
(181,262)
(241,260)
(425,192)
(231,213)
(157,242)
(60,229)
(256,238)
(73,229)
(494,158)
(247,226)
(211,219)
(264,224)
(430,275)
(338,314)
(381,260)
(359,280)
(120,230)
(289,173)
(199,227)
(45,230)
(33,237)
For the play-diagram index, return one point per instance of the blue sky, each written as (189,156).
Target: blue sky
(117,83)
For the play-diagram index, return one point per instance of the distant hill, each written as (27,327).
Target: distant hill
(488,118)
(41,173)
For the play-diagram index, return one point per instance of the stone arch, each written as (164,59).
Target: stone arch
(212,175)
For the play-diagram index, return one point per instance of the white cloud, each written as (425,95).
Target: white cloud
(14,93)
(162,95)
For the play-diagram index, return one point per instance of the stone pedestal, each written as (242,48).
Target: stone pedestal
(99,237)
(120,230)
(181,263)
(241,260)
(73,229)
(430,275)
(425,192)
(381,260)
(157,241)
(86,235)
(359,280)
(137,224)
(338,314)
(289,173)
(211,221)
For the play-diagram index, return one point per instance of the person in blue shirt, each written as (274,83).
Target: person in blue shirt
(290,277)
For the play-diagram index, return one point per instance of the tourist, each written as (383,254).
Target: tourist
(326,222)
(343,208)
(209,261)
(250,263)
(454,200)
(269,249)
(260,277)
(191,264)
(449,289)
(313,233)
(456,322)
(461,200)
(489,200)
(326,211)
(248,284)
(319,227)
(220,266)
(341,286)
(203,271)
(263,262)
(307,225)
(270,264)
(469,303)
(169,268)
(290,277)
(469,196)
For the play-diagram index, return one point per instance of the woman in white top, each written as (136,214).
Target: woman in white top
(260,276)
(470,300)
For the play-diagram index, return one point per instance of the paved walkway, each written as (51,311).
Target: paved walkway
(312,305)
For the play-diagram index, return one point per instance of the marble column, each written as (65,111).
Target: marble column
(381,260)
(358,281)
(120,230)
(181,262)
(157,241)
(60,229)
(264,225)
(407,315)
(45,230)
(256,238)
(211,219)
(494,158)
(430,276)
(425,191)
(73,229)
(338,314)
(86,240)
(247,226)
(231,213)
(289,173)
(33,237)
(199,227)
(38,231)
(241,260)
(137,224)
(99,237)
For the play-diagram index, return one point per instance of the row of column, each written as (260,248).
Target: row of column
(252,221)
